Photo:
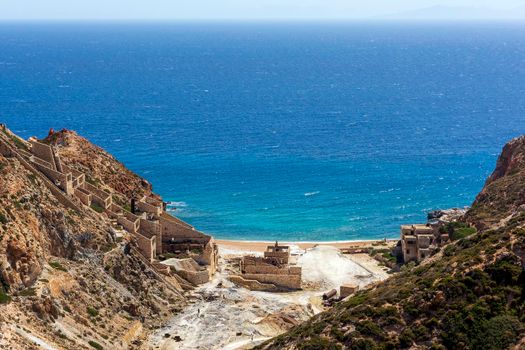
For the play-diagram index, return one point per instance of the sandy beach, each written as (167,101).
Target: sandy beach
(260,246)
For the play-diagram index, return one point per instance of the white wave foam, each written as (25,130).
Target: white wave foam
(177,204)
(308,194)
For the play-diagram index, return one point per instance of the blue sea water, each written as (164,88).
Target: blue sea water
(263,131)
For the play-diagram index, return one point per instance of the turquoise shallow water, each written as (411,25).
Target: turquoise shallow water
(279,131)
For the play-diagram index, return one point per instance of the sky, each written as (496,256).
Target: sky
(255,9)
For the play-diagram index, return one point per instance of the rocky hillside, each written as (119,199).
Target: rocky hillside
(469,296)
(66,280)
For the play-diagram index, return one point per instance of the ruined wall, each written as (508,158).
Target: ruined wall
(173,229)
(194,277)
(282,256)
(146,246)
(83,195)
(152,228)
(252,284)
(286,281)
(130,226)
(210,256)
(8,151)
(99,197)
(43,152)
(148,208)
(63,181)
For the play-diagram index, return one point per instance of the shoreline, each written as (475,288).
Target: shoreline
(260,246)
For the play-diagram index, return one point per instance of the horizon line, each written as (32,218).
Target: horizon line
(263,20)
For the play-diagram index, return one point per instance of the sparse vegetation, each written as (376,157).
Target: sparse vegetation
(92,311)
(27,292)
(458,230)
(56,265)
(97,208)
(4,297)
(3,219)
(18,143)
(95,345)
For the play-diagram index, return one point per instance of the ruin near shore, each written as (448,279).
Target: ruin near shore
(272,272)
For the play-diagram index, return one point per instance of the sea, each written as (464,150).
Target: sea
(304,131)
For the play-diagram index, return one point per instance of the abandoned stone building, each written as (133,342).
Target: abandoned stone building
(153,230)
(272,272)
(419,241)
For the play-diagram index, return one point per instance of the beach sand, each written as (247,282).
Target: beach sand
(260,246)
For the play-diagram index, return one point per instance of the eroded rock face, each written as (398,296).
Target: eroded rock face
(504,191)
(511,159)
(20,267)
(45,309)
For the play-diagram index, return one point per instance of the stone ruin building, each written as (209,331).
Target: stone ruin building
(419,241)
(272,272)
(151,228)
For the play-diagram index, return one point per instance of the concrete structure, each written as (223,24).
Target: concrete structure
(271,272)
(347,289)
(188,269)
(417,242)
(153,230)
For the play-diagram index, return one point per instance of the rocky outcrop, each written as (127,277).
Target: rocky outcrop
(510,161)
(504,191)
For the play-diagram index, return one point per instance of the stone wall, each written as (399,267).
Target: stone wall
(285,281)
(44,152)
(173,229)
(130,226)
(283,257)
(83,195)
(8,151)
(194,277)
(148,208)
(210,256)
(253,284)
(146,246)
(63,181)
(99,197)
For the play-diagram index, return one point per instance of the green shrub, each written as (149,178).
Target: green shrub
(459,230)
(56,265)
(369,328)
(3,219)
(4,298)
(318,343)
(505,271)
(92,311)
(27,292)
(18,143)
(363,344)
(95,345)
(32,178)
(97,208)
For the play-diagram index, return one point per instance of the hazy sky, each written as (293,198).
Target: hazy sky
(229,9)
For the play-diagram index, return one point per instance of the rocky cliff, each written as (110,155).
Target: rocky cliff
(469,296)
(66,280)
